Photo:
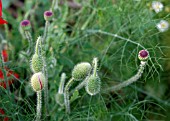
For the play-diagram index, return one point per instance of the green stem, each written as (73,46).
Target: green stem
(78,87)
(45,85)
(95,66)
(88,20)
(66,95)
(29,38)
(47,23)
(39,105)
(54,5)
(62,81)
(45,68)
(129,81)
(38,43)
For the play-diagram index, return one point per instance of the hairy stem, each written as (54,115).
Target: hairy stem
(45,85)
(37,46)
(62,81)
(29,38)
(47,23)
(78,87)
(66,95)
(39,104)
(95,66)
(129,81)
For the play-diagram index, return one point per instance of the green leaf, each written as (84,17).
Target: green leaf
(75,96)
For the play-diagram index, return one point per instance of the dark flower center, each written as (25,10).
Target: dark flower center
(48,13)
(143,53)
(25,23)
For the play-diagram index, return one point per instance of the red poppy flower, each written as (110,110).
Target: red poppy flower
(5,55)
(10,76)
(10,73)
(3,113)
(1,19)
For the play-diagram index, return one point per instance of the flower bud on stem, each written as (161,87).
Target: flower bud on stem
(143,56)
(66,95)
(60,95)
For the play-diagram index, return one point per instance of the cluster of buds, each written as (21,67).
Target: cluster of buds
(38,79)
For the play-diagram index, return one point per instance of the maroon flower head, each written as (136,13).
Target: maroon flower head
(25,24)
(48,15)
(143,55)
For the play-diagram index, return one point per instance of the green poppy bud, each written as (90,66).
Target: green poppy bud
(81,71)
(37,81)
(36,63)
(93,85)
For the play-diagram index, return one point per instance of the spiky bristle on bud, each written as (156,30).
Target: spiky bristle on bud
(93,85)
(36,63)
(26,25)
(81,71)
(143,55)
(48,15)
(37,81)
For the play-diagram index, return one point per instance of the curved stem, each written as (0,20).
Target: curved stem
(78,87)
(129,81)
(66,95)
(39,102)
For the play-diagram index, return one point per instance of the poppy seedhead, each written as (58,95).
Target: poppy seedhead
(48,15)
(26,25)
(143,55)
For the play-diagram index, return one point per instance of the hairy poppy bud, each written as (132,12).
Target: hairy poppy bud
(48,15)
(59,97)
(81,70)
(26,25)
(37,81)
(143,55)
(93,85)
(36,63)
